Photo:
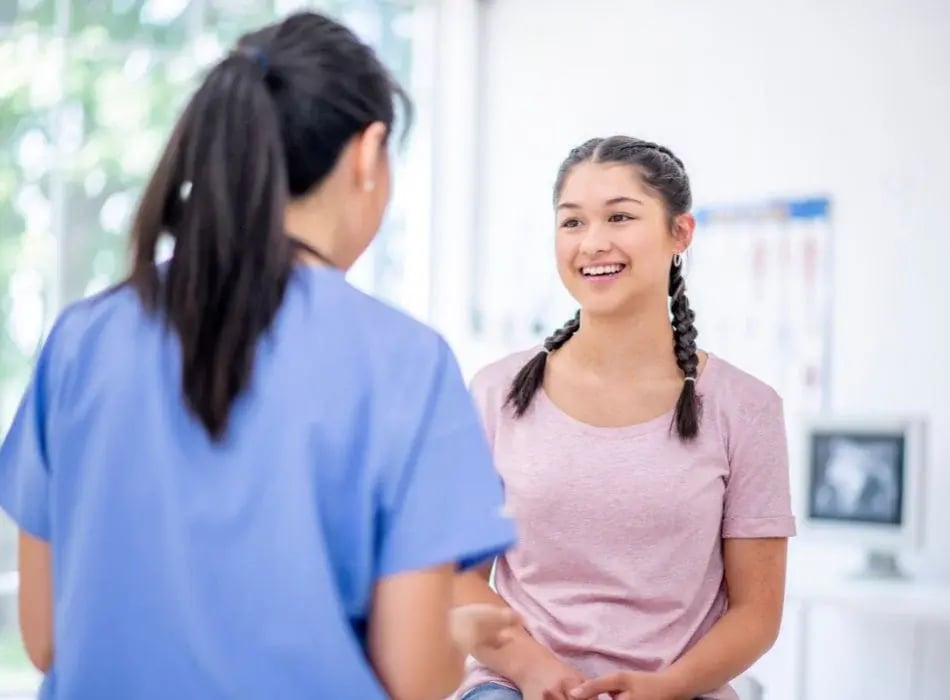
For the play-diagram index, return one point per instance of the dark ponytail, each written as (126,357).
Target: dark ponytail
(665,174)
(267,124)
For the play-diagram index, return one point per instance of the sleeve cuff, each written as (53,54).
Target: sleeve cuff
(752,528)
(464,557)
(35,525)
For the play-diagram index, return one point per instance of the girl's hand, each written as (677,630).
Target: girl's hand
(628,686)
(550,680)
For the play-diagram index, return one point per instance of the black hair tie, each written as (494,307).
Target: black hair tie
(258,56)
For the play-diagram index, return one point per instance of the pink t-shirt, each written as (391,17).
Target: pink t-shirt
(619,562)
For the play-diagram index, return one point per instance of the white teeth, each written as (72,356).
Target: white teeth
(595,270)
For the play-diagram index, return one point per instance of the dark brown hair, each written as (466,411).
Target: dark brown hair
(665,174)
(267,124)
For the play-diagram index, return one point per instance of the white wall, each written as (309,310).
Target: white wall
(845,97)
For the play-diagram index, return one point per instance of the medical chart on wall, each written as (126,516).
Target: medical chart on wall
(759,277)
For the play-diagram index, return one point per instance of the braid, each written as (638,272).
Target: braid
(666,152)
(689,405)
(531,376)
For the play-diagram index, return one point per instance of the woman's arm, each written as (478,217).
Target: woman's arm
(755,581)
(521,651)
(438,502)
(410,641)
(418,639)
(520,659)
(36,600)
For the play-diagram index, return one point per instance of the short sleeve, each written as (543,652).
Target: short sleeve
(757,499)
(24,468)
(481,390)
(448,505)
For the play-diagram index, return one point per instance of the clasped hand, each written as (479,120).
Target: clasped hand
(627,686)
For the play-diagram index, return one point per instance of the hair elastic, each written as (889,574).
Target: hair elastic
(256,54)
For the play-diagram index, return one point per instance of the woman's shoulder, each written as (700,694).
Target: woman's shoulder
(371,329)
(108,313)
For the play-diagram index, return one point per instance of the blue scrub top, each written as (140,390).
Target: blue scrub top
(244,569)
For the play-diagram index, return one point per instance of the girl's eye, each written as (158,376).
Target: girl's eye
(570,223)
(618,218)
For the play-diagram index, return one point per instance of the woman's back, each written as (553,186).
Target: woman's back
(185,567)
(234,475)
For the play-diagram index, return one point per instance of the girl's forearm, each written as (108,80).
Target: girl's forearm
(733,644)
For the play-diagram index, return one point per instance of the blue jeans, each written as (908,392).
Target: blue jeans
(494,691)
(491,691)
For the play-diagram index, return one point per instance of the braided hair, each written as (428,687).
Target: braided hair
(529,379)
(664,173)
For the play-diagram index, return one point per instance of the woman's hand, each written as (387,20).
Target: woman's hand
(482,625)
(538,673)
(628,686)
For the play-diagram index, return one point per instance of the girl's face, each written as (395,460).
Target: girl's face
(614,244)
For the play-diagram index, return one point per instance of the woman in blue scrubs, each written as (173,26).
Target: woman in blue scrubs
(235,475)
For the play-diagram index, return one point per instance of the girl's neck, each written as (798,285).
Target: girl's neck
(638,345)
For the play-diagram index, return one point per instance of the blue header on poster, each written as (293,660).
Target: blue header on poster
(805,209)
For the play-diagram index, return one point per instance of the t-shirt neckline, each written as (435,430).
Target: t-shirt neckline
(663,421)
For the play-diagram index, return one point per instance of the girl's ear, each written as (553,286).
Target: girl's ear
(683,227)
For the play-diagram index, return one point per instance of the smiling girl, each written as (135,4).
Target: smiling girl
(649,479)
